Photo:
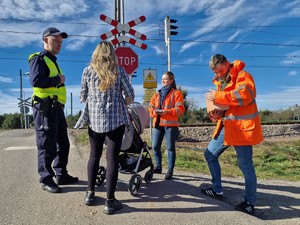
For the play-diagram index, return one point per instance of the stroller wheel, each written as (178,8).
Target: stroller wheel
(135,184)
(101,175)
(148,176)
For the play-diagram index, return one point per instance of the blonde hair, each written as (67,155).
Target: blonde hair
(104,63)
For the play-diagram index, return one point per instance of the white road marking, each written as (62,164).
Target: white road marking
(14,148)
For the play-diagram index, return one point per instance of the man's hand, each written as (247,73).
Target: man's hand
(62,78)
(215,115)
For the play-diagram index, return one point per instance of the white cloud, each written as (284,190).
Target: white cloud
(283,98)
(293,58)
(6,80)
(292,73)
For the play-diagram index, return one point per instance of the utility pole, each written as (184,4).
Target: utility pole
(120,17)
(71,104)
(21,96)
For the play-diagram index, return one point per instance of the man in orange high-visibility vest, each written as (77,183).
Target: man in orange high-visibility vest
(238,126)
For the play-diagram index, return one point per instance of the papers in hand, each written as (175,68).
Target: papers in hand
(211,106)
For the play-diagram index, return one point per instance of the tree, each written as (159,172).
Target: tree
(11,121)
(1,120)
(184,118)
(71,120)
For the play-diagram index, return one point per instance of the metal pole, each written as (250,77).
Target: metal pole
(71,104)
(150,128)
(24,109)
(117,14)
(169,54)
(21,97)
(122,18)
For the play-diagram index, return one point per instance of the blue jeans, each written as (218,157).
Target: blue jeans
(170,134)
(244,156)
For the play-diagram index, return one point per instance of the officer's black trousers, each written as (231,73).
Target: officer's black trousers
(52,142)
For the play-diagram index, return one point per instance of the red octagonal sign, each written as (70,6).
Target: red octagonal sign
(127,58)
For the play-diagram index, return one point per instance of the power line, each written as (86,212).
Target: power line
(149,57)
(235,42)
(175,40)
(182,26)
(162,64)
(243,26)
(62,22)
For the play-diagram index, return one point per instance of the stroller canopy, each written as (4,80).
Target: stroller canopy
(140,119)
(139,116)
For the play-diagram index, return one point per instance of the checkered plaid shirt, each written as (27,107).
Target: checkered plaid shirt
(104,111)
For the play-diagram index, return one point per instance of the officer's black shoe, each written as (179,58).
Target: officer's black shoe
(66,179)
(51,187)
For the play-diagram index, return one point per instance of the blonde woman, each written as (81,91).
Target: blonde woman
(104,84)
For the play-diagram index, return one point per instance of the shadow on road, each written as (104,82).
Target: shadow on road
(182,195)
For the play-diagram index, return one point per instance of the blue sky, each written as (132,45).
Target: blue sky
(264,34)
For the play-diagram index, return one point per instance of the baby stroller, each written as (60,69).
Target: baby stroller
(134,154)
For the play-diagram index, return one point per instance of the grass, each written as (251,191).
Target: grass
(272,160)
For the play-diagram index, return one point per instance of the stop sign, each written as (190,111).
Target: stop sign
(127,58)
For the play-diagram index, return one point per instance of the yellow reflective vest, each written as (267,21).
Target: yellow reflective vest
(60,91)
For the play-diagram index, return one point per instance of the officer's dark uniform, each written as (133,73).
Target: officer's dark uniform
(49,119)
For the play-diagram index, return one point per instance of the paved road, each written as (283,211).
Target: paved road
(178,201)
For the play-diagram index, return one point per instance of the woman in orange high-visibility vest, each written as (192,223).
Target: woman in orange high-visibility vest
(165,107)
(238,126)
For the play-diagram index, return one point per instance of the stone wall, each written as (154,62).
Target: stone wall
(199,134)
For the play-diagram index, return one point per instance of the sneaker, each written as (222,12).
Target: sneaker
(111,206)
(66,179)
(89,198)
(211,193)
(157,170)
(245,207)
(169,175)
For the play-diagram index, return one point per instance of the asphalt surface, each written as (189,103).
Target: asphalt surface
(177,201)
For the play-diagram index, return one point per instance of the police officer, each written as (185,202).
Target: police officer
(49,98)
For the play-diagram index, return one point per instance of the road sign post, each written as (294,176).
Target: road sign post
(127,58)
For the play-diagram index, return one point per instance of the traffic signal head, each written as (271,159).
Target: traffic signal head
(169,29)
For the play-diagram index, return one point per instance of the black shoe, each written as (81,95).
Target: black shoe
(51,187)
(66,179)
(89,198)
(111,206)
(211,193)
(169,175)
(245,207)
(157,170)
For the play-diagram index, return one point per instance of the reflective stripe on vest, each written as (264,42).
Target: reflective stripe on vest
(238,96)
(243,117)
(61,91)
(168,122)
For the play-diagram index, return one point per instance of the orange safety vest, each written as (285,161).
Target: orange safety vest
(173,104)
(241,121)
